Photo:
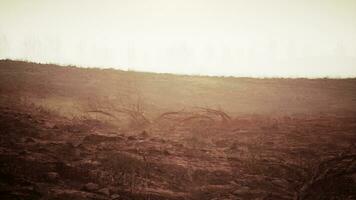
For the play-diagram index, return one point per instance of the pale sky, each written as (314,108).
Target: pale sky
(289,38)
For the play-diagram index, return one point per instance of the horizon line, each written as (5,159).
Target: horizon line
(128,69)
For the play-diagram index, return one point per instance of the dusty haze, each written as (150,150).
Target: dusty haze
(243,38)
(178,99)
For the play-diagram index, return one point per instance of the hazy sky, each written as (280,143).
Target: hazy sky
(309,38)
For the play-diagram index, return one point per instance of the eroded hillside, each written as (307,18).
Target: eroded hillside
(71,133)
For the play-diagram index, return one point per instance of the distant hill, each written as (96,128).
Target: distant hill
(63,88)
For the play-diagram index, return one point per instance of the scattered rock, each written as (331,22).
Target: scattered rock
(50,125)
(144,134)
(353,176)
(233,182)
(114,189)
(279,182)
(75,142)
(95,139)
(179,145)
(166,152)
(91,187)
(104,191)
(77,152)
(72,194)
(115,197)
(52,176)
(131,138)
(242,190)
(156,139)
(24,152)
(29,140)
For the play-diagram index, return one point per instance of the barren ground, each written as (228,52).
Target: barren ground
(74,133)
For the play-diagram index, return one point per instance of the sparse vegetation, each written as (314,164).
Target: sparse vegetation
(103,134)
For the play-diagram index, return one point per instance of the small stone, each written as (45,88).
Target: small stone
(49,125)
(52,176)
(91,187)
(353,176)
(104,191)
(144,133)
(26,140)
(77,152)
(29,140)
(131,138)
(278,182)
(242,190)
(114,189)
(115,197)
(24,152)
(166,152)
(233,182)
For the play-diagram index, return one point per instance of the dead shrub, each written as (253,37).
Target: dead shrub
(129,112)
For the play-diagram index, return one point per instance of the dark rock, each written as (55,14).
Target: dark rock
(144,134)
(131,138)
(242,190)
(91,187)
(24,152)
(73,194)
(166,152)
(353,176)
(95,139)
(52,176)
(29,140)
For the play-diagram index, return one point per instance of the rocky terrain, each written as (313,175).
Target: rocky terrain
(136,148)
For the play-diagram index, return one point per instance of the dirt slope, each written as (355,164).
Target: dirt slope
(65,87)
(199,152)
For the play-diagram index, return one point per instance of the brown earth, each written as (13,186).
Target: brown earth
(74,133)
